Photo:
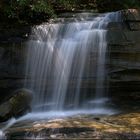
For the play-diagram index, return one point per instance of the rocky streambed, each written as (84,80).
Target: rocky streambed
(121,126)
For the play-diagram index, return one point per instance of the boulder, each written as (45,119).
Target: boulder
(131,15)
(132,18)
(17,105)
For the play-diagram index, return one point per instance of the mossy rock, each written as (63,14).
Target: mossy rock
(17,105)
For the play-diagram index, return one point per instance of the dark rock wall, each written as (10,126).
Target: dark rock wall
(12,58)
(12,67)
(124,58)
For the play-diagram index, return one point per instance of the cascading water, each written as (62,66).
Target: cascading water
(58,56)
(7,125)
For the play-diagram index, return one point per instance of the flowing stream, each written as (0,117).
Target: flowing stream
(59,64)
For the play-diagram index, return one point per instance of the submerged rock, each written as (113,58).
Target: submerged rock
(17,105)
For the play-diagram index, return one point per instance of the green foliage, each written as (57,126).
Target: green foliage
(22,2)
(42,6)
(26,10)
(15,9)
(19,9)
(131,3)
(67,3)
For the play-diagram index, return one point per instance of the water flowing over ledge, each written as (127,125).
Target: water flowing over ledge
(58,53)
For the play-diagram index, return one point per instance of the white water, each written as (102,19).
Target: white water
(58,56)
(7,125)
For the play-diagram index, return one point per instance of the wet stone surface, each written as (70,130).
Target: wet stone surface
(122,126)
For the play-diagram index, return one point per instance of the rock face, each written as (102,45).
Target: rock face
(124,57)
(12,68)
(17,105)
(12,59)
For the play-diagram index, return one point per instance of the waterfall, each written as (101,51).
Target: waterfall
(58,62)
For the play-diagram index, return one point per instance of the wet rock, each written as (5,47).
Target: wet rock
(5,111)
(21,101)
(116,26)
(12,68)
(17,105)
(121,126)
(131,14)
(132,18)
(124,55)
